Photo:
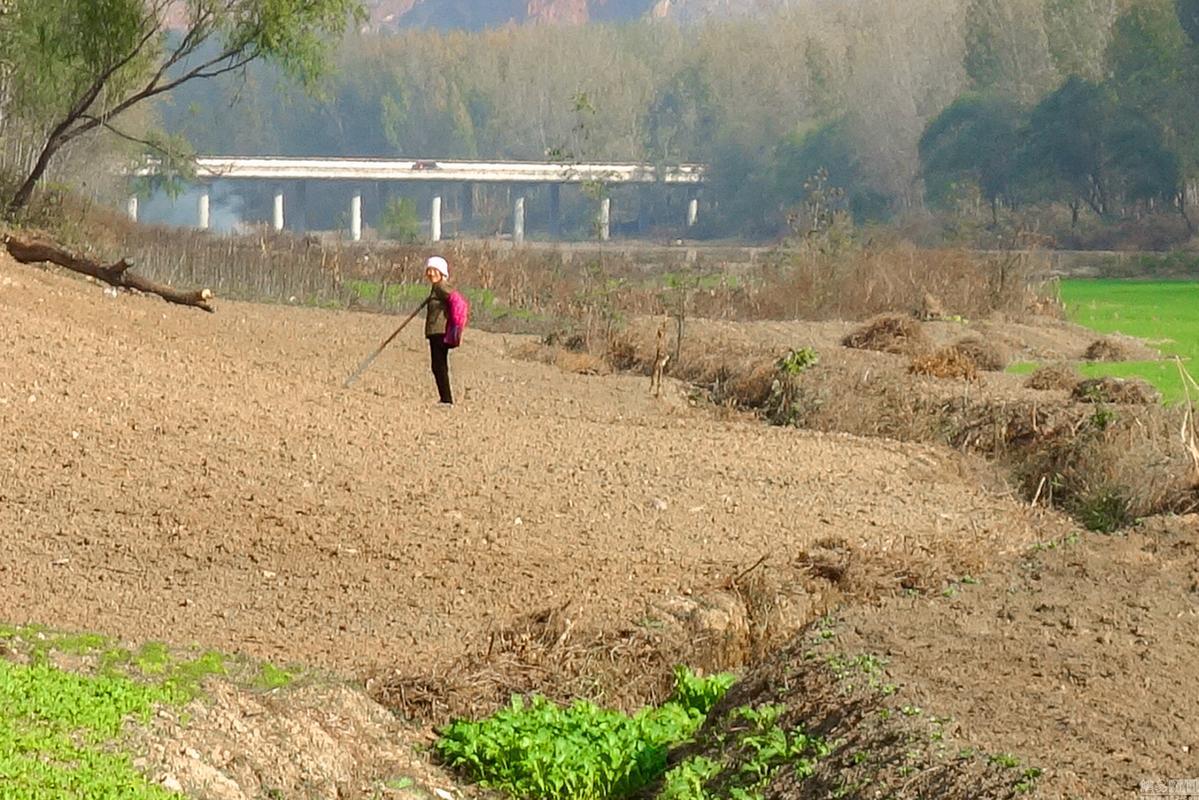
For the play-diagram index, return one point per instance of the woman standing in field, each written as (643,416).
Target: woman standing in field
(437,272)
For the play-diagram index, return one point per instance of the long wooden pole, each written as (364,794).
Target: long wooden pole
(370,359)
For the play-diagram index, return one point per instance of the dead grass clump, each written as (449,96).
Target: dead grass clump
(565,359)
(1053,376)
(1121,391)
(989,356)
(1109,470)
(750,387)
(948,362)
(734,623)
(621,353)
(889,333)
(543,652)
(1107,349)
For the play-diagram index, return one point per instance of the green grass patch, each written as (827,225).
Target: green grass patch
(272,677)
(57,729)
(1163,313)
(538,749)
(393,294)
(758,750)
(61,728)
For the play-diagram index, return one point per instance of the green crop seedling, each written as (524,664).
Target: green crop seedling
(535,748)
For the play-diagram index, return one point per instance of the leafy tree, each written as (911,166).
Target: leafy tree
(84,63)
(1152,75)
(977,140)
(679,118)
(827,149)
(1066,144)
(1141,163)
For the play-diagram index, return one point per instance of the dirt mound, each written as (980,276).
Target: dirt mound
(1108,349)
(889,333)
(876,741)
(989,356)
(1053,377)
(947,362)
(999,684)
(1036,661)
(1125,391)
(320,742)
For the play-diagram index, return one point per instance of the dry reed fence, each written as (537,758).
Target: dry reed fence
(593,294)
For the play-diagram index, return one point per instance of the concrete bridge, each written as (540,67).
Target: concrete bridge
(305,171)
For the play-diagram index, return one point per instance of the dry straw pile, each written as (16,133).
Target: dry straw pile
(890,333)
(947,362)
(1061,377)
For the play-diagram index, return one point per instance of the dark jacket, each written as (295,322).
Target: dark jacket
(436,312)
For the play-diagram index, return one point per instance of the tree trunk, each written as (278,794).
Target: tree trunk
(21,197)
(1182,209)
(118,274)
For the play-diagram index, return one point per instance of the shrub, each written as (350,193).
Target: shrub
(1107,349)
(400,221)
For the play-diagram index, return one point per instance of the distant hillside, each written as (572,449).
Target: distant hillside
(479,14)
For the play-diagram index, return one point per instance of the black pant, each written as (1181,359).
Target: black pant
(439,355)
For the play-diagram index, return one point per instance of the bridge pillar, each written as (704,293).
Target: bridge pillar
(131,207)
(203,218)
(277,218)
(468,205)
(356,216)
(605,219)
(518,220)
(556,210)
(435,220)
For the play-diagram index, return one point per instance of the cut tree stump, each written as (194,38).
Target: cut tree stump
(118,274)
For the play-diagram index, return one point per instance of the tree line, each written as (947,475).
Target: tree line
(1113,139)
(1059,114)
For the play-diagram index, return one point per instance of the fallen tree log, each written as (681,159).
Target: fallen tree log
(118,274)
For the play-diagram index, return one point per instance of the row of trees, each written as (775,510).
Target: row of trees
(900,102)
(1116,139)
(739,94)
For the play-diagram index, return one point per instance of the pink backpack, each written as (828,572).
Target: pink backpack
(457,315)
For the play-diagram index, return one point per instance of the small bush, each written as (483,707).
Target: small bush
(1107,349)
(796,362)
(400,221)
(1054,376)
(1105,510)
(889,333)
